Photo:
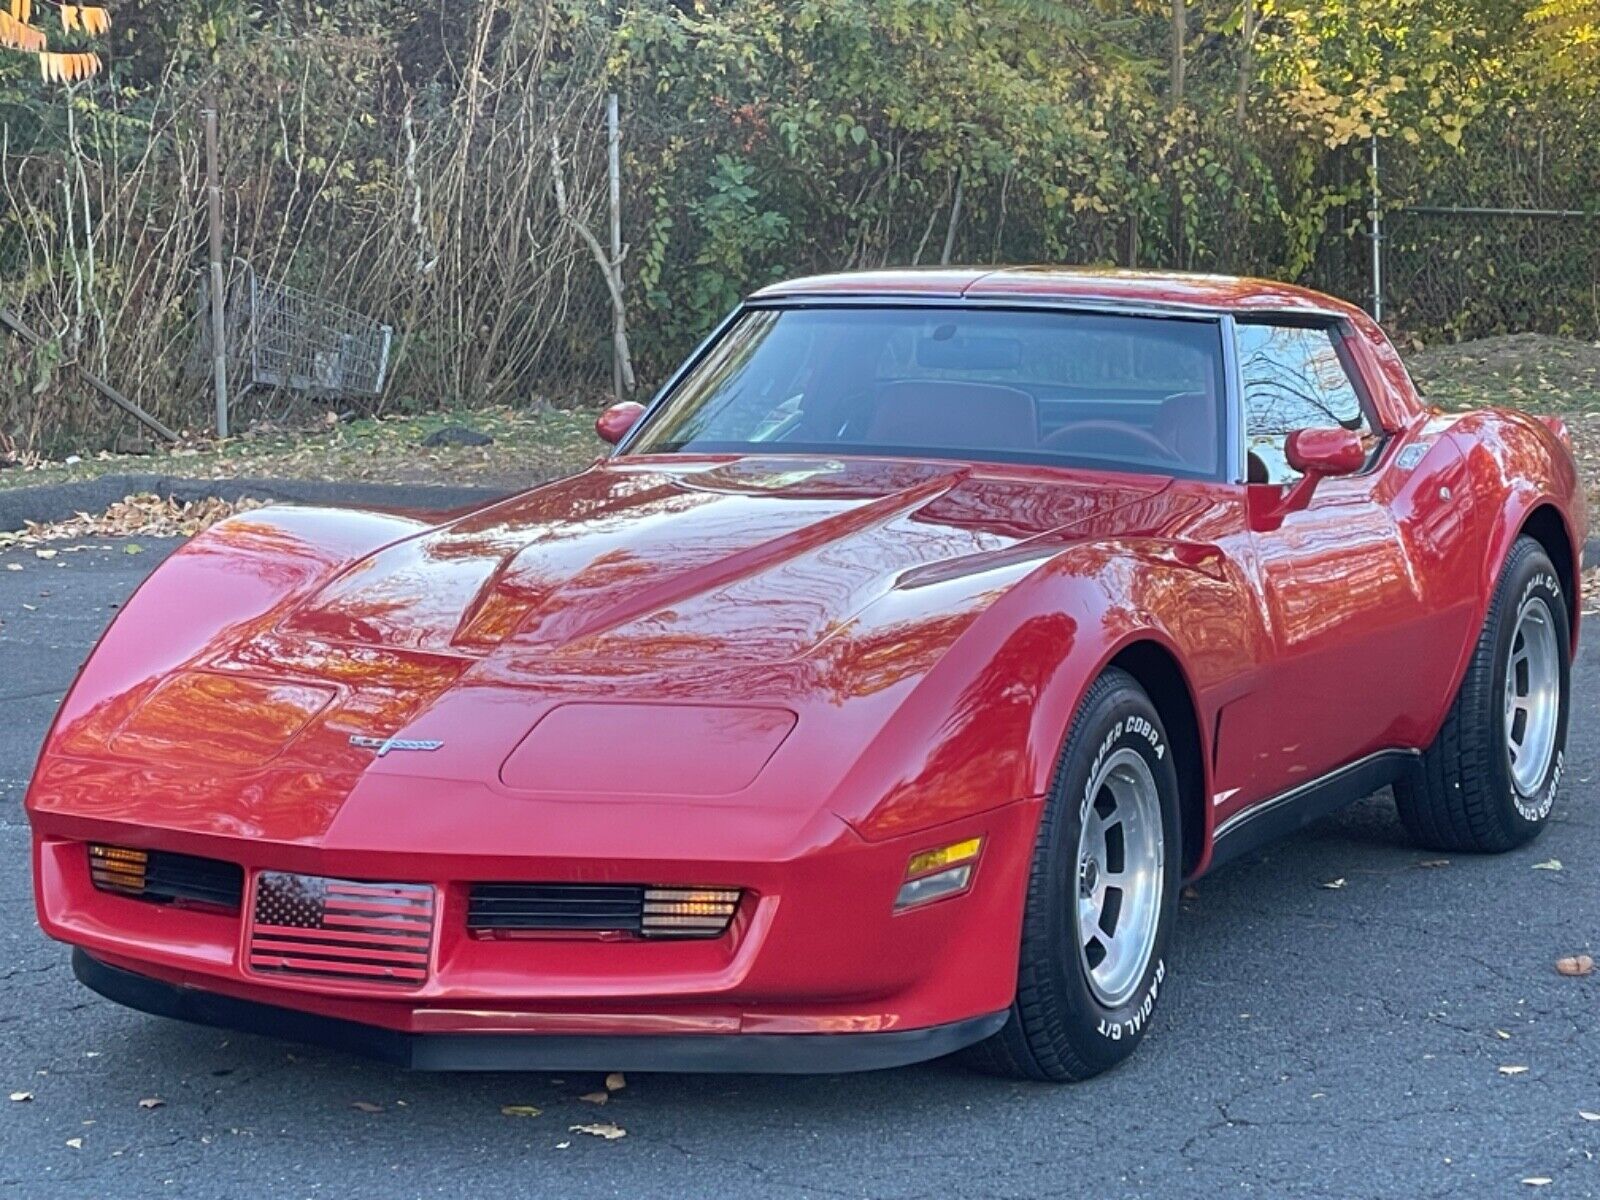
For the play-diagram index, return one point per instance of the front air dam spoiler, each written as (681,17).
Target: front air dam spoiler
(770,1053)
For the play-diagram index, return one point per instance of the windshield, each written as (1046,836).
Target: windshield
(1081,389)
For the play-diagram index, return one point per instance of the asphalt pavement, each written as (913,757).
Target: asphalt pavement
(1316,1040)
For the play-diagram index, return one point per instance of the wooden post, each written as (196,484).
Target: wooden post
(219,348)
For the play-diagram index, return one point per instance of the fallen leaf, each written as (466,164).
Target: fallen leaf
(152,1102)
(1550,864)
(1430,863)
(1502,1035)
(44,553)
(602,1130)
(1333,885)
(1190,893)
(1537,1180)
(21,1097)
(1575,964)
(133,548)
(595,1097)
(367,1106)
(616,1081)
(1588,1116)
(520,1110)
(1512,1070)
(563,1145)
(13,566)
(75,1143)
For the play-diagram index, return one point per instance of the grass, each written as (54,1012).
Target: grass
(527,446)
(1535,372)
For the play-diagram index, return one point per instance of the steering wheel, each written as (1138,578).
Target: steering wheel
(1130,434)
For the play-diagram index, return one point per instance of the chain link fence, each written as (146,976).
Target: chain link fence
(1459,272)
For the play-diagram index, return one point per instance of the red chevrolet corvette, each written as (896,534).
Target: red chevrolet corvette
(871,700)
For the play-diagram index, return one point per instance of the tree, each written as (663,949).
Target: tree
(1567,37)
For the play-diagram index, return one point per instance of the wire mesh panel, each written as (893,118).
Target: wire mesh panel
(1472,272)
(278,336)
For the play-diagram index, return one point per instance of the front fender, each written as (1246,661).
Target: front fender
(986,725)
(1517,465)
(236,578)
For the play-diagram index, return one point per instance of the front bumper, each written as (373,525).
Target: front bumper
(817,970)
(772,1053)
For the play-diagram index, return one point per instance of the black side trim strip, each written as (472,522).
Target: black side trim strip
(778,1053)
(1288,811)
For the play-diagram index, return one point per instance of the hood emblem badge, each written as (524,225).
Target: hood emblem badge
(384,745)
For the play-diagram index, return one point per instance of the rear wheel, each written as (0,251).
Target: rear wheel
(1101,896)
(1490,778)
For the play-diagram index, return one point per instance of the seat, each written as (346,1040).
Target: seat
(954,414)
(1188,423)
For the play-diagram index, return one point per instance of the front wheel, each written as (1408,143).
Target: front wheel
(1490,778)
(1101,895)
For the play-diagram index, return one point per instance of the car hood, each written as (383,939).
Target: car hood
(728,632)
(745,560)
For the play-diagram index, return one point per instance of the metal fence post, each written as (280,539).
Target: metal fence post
(1375,220)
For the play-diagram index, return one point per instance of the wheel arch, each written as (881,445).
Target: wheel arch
(1545,524)
(1156,669)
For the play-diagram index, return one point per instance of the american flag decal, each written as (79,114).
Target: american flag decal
(341,929)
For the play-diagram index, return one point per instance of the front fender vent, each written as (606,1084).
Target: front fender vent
(576,909)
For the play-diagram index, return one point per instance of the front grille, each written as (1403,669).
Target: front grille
(165,878)
(569,908)
(341,928)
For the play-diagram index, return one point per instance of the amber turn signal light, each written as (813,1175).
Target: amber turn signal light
(934,874)
(115,869)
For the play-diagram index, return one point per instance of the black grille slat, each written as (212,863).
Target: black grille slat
(556,906)
(596,922)
(575,894)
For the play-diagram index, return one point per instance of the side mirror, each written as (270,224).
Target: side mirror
(1325,451)
(1316,454)
(617,420)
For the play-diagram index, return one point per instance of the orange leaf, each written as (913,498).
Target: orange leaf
(69,17)
(19,36)
(96,20)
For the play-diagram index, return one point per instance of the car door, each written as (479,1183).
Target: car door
(1358,650)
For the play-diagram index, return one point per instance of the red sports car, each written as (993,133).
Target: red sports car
(871,700)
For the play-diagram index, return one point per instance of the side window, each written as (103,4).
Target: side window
(1292,378)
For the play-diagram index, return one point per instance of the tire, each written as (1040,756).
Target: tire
(1072,1018)
(1475,790)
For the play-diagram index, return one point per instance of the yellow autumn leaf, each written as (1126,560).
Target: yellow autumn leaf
(67,68)
(96,20)
(69,17)
(21,10)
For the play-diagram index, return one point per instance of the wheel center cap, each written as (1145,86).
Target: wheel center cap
(1088,876)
